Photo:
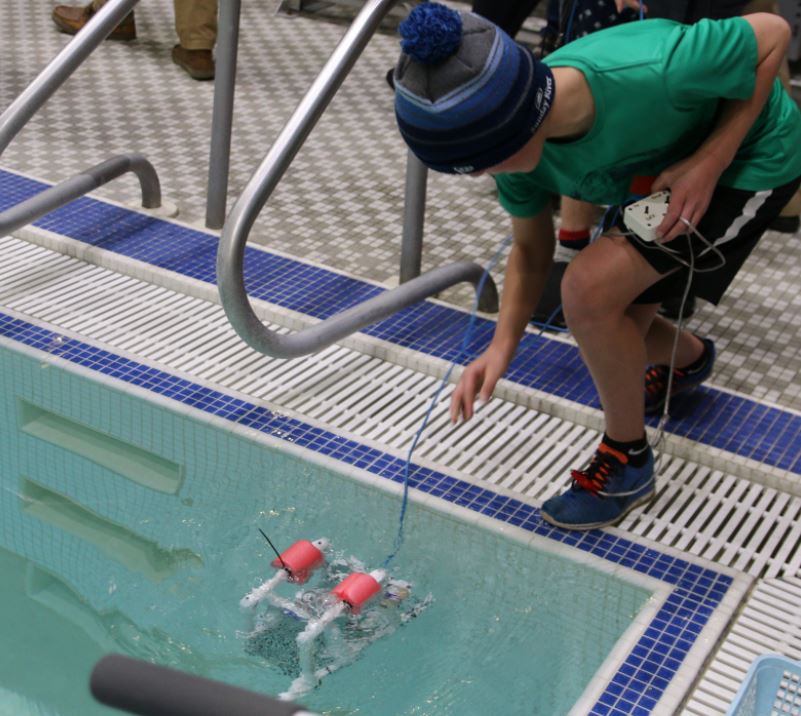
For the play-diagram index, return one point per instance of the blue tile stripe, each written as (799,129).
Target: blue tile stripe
(711,417)
(650,666)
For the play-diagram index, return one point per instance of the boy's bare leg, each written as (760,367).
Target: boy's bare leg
(576,215)
(597,291)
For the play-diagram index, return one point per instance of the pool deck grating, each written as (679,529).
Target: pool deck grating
(699,509)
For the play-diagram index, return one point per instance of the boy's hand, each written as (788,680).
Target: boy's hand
(479,378)
(691,182)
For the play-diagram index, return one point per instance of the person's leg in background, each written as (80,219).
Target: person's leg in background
(576,221)
(509,15)
(196,26)
(71,18)
(549,35)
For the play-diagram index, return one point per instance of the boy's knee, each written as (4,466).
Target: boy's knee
(580,290)
(583,295)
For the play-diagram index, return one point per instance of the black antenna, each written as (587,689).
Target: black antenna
(277,553)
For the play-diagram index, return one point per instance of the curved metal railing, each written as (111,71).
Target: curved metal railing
(90,179)
(38,92)
(231,253)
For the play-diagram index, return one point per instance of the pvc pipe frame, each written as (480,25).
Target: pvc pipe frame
(231,253)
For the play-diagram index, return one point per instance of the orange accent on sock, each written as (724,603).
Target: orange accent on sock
(621,456)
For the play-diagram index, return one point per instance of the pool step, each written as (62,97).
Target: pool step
(138,554)
(132,462)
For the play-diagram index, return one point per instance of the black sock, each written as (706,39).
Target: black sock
(636,451)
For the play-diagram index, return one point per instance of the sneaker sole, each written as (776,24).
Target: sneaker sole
(595,525)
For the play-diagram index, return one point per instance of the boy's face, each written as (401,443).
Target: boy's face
(523,160)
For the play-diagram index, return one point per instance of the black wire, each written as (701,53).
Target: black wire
(278,554)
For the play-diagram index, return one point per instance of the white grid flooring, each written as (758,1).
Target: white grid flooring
(509,447)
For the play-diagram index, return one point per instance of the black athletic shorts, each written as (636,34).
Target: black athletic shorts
(734,223)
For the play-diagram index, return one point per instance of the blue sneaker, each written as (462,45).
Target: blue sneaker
(603,493)
(656,380)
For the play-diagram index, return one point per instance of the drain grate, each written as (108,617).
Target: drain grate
(513,449)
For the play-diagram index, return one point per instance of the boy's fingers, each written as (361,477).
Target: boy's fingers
(463,397)
(659,184)
(456,404)
(672,225)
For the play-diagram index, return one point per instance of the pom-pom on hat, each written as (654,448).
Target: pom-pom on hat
(467,96)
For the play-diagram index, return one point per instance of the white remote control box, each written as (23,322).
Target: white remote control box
(643,217)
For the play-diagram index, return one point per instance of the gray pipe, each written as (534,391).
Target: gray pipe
(222,112)
(150,690)
(56,196)
(414,210)
(231,253)
(61,67)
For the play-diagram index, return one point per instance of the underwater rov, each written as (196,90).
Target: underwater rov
(324,627)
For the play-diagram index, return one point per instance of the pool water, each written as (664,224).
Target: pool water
(126,526)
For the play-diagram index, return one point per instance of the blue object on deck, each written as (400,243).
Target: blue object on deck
(772,686)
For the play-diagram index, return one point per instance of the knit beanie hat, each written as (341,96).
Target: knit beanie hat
(467,96)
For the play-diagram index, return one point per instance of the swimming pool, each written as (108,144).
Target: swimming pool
(129,527)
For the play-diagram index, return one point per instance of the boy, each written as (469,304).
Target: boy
(698,107)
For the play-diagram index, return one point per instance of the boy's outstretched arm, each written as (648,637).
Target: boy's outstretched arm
(526,271)
(693,180)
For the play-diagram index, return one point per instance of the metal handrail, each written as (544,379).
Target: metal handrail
(38,92)
(231,253)
(90,179)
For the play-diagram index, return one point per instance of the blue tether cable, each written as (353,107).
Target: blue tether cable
(468,336)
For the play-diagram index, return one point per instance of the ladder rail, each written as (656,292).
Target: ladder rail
(231,253)
(56,196)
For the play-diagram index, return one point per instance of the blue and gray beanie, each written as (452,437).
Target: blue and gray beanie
(467,96)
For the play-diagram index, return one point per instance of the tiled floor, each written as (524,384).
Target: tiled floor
(340,203)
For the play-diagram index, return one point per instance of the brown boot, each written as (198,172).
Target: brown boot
(199,64)
(71,18)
